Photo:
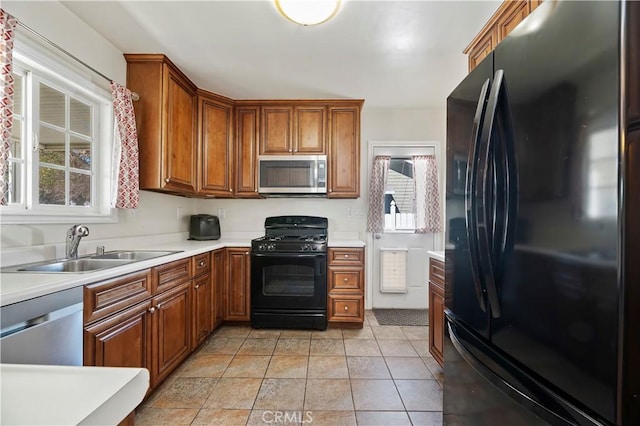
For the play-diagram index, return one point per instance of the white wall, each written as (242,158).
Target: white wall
(157,212)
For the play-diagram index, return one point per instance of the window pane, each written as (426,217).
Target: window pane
(51,146)
(80,154)
(52,188)
(80,117)
(80,191)
(17,94)
(400,196)
(52,106)
(16,138)
(13,184)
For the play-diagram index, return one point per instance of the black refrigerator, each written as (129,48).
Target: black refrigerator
(542,296)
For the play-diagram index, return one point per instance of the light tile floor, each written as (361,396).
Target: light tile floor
(379,375)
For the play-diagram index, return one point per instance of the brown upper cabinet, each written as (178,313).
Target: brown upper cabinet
(215,145)
(293,128)
(504,20)
(166,123)
(246,157)
(344,150)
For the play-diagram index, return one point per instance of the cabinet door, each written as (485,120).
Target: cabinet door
(344,152)
(310,130)
(215,147)
(436,322)
(179,159)
(201,309)
(247,125)
(511,16)
(218,288)
(171,330)
(482,47)
(122,340)
(277,132)
(237,290)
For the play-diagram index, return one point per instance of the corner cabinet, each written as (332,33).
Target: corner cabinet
(166,123)
(344,150)
(215,145)
(436,309)
(345,282)
(237,285)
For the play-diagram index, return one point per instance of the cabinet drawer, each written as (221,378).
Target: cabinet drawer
(346,279)
(170,275)
(201,264)
(106,297)
(346,256)
(345,308)
(436,272)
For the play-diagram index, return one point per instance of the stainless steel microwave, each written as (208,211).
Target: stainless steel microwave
(292,174)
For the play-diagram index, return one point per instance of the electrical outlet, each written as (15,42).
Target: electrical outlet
(179,213)
(221,213)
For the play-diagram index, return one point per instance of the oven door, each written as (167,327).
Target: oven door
(289,281)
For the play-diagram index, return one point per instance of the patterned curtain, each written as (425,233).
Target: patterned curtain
(377,184)
(7,33)
(125,190)
(425,174)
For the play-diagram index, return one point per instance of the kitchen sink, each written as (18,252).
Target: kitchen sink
(132,255)
(74,265)
(90,263)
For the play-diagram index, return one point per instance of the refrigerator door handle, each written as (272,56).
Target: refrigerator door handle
(470,189)
(484,203)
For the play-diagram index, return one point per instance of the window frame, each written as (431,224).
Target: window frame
(36,63)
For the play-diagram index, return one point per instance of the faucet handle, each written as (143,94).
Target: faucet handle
(100,250)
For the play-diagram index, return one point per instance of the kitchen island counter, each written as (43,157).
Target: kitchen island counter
(48,395)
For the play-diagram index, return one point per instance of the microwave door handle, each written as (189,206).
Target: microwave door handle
(315,174)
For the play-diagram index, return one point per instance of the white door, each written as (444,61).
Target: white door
(399,256)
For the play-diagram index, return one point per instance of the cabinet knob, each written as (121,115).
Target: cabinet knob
(346,308)
(230,190)
(289,150)
(197,286)
(152,309)
(201,263)
(167,180)
(246,252)
(346,256)
(346,279)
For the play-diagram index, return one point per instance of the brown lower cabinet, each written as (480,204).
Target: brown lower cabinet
(345,282)
(237,285)
(218,287)
(436,309)
(202,300)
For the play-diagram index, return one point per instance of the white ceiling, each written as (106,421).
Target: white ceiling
(393,54)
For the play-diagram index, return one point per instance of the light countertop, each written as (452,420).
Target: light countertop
(19,286)
(63,395)
(439,255)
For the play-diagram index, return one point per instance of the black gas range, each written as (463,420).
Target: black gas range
(289,273)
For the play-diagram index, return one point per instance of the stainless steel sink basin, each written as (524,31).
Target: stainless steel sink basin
(75,265)
(133,255)
(89,263)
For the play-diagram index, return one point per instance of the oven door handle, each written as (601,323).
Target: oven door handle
(289,254)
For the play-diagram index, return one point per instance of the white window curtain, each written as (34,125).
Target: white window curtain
(425,174)
(377,185)
(7,33)
(125,189)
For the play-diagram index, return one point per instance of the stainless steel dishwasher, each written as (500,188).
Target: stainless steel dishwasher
(43,330)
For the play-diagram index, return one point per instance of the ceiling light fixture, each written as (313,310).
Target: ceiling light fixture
(308,12)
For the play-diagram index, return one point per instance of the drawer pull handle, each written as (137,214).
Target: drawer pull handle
(201,263)
(152,309)
(346,256)
(346,279)
(346,308)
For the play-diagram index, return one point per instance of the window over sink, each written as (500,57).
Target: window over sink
(60,159)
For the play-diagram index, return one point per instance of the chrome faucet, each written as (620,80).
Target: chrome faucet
(74,234)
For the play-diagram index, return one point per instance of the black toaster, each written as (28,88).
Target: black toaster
(204,227)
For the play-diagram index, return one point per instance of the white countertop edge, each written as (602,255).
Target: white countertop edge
(439,255)
(20,286)
(45,394)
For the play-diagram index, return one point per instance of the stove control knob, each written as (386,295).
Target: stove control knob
(271,247)
(261,247)
(305,247)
